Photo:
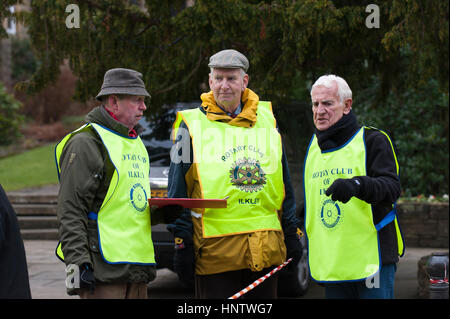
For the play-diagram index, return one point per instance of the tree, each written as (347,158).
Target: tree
(417,121)
(289,44)
(5,13)
(171,44)
(10,119)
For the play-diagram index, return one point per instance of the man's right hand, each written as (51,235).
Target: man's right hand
(87,279)
(171,213)
(344,189)
(166,214)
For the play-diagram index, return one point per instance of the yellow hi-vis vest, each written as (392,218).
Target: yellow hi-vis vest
(124,226)
(241,163)
(342,238)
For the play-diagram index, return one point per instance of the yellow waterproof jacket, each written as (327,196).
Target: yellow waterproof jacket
(255,250)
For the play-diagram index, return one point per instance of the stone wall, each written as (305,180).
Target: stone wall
(424,224)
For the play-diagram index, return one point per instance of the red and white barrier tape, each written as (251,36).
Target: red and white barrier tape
(439,281)
(259,280)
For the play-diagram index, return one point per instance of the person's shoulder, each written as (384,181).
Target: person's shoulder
(182,124)
(84,138)
(194,109)
(374,133)
(375,137)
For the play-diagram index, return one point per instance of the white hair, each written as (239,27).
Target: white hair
(344,91)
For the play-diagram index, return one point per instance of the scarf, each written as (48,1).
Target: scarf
(131,133)
(339,133)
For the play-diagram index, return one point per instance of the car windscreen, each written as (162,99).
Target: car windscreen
(157,129)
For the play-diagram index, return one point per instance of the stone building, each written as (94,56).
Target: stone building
(14,30)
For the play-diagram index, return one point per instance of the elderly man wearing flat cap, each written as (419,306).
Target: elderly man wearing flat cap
(230,148)
(103,213)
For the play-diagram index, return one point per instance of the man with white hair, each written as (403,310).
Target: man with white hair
(351,185)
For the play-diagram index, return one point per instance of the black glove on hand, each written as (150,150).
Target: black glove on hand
(184,262)
(343,189)
(87,279)
(166,214)
(171,213)
(293,248)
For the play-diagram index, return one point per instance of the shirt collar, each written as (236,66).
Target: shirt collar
(131,133)
(235,113)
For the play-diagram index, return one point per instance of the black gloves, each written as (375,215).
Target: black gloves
(166,214)
(293,248)
(87,280)
(171,213)
(344,189)
(183,261)
(184,256)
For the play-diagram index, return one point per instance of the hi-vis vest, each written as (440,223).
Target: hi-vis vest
(124,227)
(239,162)
(342,238)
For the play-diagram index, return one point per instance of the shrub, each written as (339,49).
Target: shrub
(53,102)
(417,121)
(24,63)
(10,118)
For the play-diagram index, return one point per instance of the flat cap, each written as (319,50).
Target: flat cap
(122,81)
(229,59)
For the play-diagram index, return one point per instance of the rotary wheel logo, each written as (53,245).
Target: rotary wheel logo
(138,197)
(330,214)
(247,175)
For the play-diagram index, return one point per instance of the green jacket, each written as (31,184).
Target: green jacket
(86,171)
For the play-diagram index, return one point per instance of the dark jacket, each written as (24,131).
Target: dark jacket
(381,186)
(86,172)
(14,283)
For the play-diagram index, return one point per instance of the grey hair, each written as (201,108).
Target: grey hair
(104,98)
(344,91)
(242,72)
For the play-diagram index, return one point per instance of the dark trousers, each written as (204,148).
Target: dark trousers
(116,291)
(382,289)
(226,284)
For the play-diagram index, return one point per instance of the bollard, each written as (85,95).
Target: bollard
(437,270)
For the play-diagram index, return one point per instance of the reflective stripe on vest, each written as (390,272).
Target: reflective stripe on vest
(123,221)
(342,239)
(242,163)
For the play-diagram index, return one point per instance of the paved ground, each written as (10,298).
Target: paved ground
(47,275)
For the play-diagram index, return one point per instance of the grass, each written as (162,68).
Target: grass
(32,168)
